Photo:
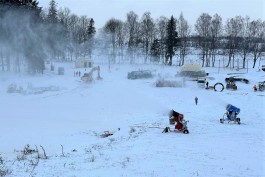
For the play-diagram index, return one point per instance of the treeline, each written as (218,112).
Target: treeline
(158,40)
(29,35)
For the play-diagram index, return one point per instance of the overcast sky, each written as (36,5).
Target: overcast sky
(103,10)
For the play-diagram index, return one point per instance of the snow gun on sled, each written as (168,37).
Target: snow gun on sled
(177,119)
(231,114)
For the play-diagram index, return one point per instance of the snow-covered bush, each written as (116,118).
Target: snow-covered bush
(13,88)
(167,83)
(3,170)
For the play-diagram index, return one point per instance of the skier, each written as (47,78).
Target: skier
(196,100)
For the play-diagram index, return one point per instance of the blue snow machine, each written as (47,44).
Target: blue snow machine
(231,114)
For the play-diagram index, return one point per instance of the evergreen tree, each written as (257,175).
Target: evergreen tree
(28,3)
(32,3)
(171,40)
(52,13)
(155,50)
(91,30)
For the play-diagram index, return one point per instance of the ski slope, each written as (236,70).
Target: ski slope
(66,117)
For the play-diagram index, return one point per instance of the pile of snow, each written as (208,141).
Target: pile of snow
(169,83)
(30,89)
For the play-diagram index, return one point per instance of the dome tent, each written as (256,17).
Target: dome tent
(192,70)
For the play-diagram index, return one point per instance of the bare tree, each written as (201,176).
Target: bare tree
(121,39)
(256,30)
(72,27)
(244,45)
(216,31)
(64,19)
(64,15)
(147,32)
(113,29)
(184,31)
(132,27)
(203,29)
(79,34)
(161,35)
(82,29)
(233,30)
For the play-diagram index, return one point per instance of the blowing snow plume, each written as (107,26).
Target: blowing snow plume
(25,36)
(210,95)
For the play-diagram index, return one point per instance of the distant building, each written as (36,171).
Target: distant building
(84,62)
(192,70)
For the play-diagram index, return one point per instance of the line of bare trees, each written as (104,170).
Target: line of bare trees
(146,37)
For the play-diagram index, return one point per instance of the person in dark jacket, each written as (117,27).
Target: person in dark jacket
(196,100)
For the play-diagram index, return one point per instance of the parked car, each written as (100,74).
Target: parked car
(140,74)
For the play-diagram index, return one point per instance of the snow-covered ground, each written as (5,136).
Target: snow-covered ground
(65,116)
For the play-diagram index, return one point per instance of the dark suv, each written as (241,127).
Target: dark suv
(140,74)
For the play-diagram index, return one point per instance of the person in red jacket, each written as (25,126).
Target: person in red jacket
(255,88)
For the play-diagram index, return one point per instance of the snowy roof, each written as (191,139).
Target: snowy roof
(191,67)
(84,59)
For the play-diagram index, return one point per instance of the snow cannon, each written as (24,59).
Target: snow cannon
(231,114)
(177,119)
(230,107)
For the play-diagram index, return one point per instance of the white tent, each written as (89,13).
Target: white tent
(191,67)
(192,70)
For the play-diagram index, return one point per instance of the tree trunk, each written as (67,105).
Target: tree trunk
(8,62)
(244,59)
(203,58)
(254,60)
(229,57)
(233,61)
(17,63)
(2,61)
(170,61)
(213,59)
